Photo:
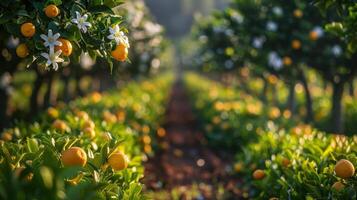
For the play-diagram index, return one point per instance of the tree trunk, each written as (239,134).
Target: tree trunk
(4,97)
(351,88)
(274,95)
(264,91)
(291,104)
(308,100)
(47,98)
(337,121)
(34,96)
(66,97)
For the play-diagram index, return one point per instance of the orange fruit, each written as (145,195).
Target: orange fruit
(285,162)
(146,139)
(53,112)
(296,44)
(109,117)
(313,35)
(28,29)
(74,156)
(298,13)
(338,186)
(52,11)
(89,132)
(161,132)
(287,61)
(258,174)
(6,136)
(344,169)
(88,123)
(60,125)
(22,50)
(118,160)
(82,115)
(66,47)
(147,148)
(120,53)
(238,167)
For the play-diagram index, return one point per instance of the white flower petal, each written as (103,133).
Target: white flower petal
(44,37)
(85,17)
(55,66)
(59,60)
(78,15)
(45,55)
(75,21)
(50,34)
(84,29)
(87,24)
(56,36)
(48,63)
(58,53)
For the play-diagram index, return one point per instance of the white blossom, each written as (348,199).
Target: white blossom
(336,50)
(277,11)
(272,26)
(53,58)
(51,40)
(258,42)
(275,61)
(118,36)
(81,22)
(319,31)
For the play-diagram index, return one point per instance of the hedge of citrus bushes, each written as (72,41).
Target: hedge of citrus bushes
(275,156)
(91,148)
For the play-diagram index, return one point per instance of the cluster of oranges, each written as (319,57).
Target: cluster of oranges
(76,156)
(28,30)
(343,169)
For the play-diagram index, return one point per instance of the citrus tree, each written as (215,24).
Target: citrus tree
(345,27)
(49,35)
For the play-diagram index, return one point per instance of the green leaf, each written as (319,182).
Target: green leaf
(101,9)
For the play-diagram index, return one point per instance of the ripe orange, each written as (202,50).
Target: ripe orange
(285,162)
(118,160)
(53,112)
(66,47)
(109,117)
(344,169)
(89,132)
(296,44)
(298,13)
(338,186)
(287,61)
(313,35)
(28,29)
(120,53)
(82,115)
(238,167)
(52,11)
(146,139)
(22,51)
(161,132)
(60,125)
(88,123)
(258,174)
(6,136)
(74,156)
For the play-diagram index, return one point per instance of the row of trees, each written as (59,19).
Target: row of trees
(284,39)
(63,41)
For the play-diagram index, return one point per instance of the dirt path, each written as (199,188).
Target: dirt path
(186,161)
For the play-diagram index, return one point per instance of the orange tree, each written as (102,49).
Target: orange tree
(52,34)
(346,26)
